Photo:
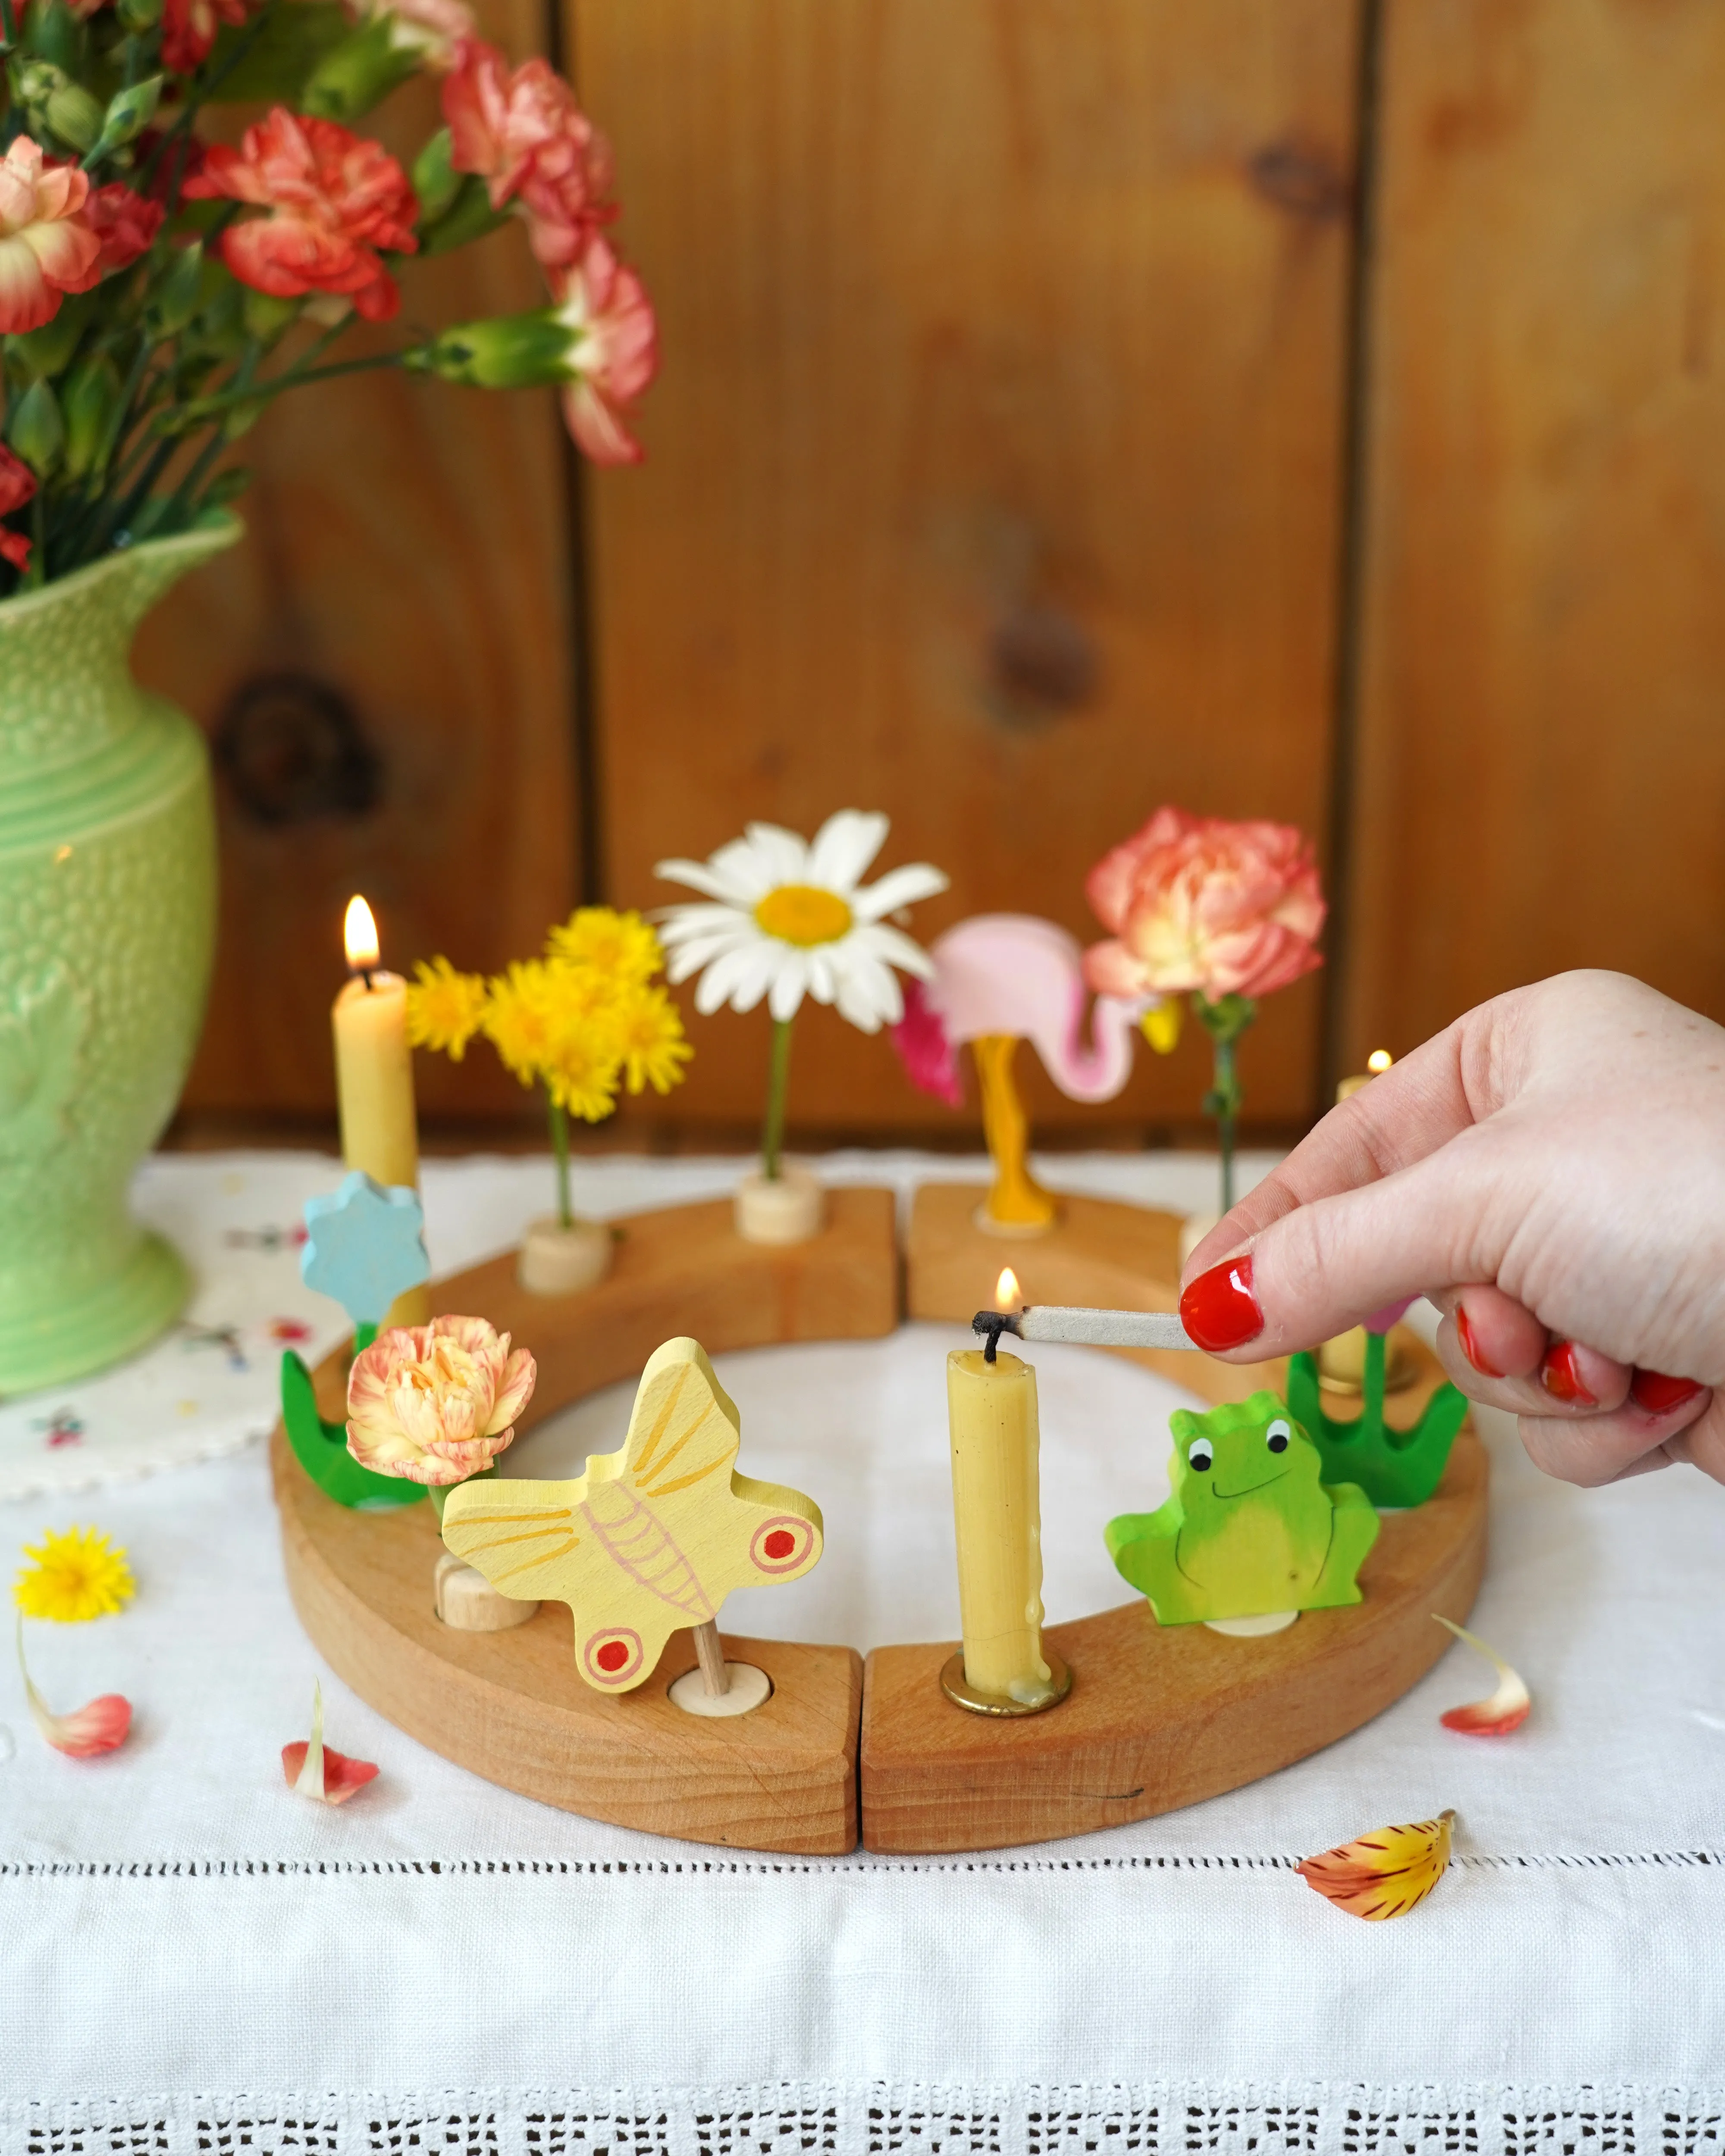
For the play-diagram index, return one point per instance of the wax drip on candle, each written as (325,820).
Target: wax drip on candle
(359,934)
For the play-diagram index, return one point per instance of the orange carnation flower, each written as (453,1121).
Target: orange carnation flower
(335,201)
(46,249)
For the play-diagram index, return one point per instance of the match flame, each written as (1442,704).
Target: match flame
(1379,1061)
(359,932)
(1008,1294)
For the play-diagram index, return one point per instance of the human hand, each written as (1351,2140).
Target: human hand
(1550,1170)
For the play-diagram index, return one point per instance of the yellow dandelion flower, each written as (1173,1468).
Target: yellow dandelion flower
(582,996)
(76,1576)
(651,1032)
(521,1018)
(581,1075)
(446,1008)
(622,946)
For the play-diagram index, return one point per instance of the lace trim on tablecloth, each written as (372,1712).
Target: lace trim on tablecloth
(884,2119)
(732,1867)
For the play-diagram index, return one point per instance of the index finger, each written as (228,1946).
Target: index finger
(1416,1106)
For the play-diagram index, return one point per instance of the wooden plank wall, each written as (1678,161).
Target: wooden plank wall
(1541,754)
(993,473)
(998,477)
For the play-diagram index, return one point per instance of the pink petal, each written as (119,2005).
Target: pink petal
(1112,970)
(1508,1706)
(100,1727)
(314,1769)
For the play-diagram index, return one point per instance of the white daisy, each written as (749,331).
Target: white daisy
(790,919)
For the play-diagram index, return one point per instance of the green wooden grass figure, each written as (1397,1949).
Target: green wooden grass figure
(1249,1528)
(1394,1467)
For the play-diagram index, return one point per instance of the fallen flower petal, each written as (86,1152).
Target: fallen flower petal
(1384,1874)
(1508,1706)
(316,1770)
(101,1726)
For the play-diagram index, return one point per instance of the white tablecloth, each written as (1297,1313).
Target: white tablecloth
(196,1963)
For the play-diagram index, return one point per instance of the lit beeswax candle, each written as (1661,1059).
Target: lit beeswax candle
(374,1079)
(996,1509)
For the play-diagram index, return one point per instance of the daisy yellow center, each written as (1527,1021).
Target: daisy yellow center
(804,914)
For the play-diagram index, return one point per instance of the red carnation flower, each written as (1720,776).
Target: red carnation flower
(126,224)
(526,135)
(188,30)
(18,483)
(334,199)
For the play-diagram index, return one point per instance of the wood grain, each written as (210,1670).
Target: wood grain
(1540,761)
(511,1705)
(408,549)
(1158,1718)
(1163,1715)
(991,470)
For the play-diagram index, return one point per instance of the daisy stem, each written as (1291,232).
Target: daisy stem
(778,1079)
(560,1147)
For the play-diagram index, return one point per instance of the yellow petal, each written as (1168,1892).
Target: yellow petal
(1384,1874)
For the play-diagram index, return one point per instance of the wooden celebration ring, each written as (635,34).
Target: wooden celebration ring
(1158,1716)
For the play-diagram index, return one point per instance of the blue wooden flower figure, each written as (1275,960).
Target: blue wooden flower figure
(364,1245)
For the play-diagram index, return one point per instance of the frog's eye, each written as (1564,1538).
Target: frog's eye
(1276,1437)
(1199,1455)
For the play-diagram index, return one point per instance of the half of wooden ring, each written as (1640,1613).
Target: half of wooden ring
(1157,1718)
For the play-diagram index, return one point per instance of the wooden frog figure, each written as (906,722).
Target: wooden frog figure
(1249,1529)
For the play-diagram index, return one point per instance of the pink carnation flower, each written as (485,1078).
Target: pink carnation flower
(613,351)
(524,134)
(1198,902)
(46,248)
(436,1403)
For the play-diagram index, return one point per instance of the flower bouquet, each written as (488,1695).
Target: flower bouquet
(583,1022)
(156,293)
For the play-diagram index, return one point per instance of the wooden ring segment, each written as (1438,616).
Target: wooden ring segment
(1157,1718)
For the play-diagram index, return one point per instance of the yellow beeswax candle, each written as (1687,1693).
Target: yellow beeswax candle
(997,1511)
(374,1079)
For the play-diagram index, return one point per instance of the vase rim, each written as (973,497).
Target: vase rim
(221,529)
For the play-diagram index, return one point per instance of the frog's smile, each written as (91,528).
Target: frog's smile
(1250,1487)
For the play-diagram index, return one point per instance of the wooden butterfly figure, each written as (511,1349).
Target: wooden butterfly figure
(650,1538)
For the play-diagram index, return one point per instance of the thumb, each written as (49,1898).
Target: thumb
(1333,1262)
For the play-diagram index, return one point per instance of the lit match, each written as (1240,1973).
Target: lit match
(1085,1328)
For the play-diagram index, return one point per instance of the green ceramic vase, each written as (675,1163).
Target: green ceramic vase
(107,917)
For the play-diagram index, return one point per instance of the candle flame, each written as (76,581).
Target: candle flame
(1379,1061)
(1008,1294)
(359,932)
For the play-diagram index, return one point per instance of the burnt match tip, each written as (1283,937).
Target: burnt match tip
(992,1323)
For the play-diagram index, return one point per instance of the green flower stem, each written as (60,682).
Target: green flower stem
(363,1336)
(1225,1020)
(295,378)
(778,1079)
(560,1147)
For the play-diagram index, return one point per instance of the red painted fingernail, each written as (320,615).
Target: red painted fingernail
(1562,1379)
(1471,1346)
(1219,1310)
(1656,1393)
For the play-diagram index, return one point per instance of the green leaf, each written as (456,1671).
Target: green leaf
(91,405)
(469,217)
(265,316)
(435,180)
(138,16)
(36,430)
(50,31)
(279,56)
(359,73)
(178,293)
(46,351)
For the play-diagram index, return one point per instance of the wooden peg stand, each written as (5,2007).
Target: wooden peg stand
(1158,1716)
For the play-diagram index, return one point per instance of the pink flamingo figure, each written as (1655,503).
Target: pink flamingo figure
(1001,978)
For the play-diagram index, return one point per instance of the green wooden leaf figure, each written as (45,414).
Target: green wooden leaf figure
(1394,1467)
(1249,1528)
(321,1447)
